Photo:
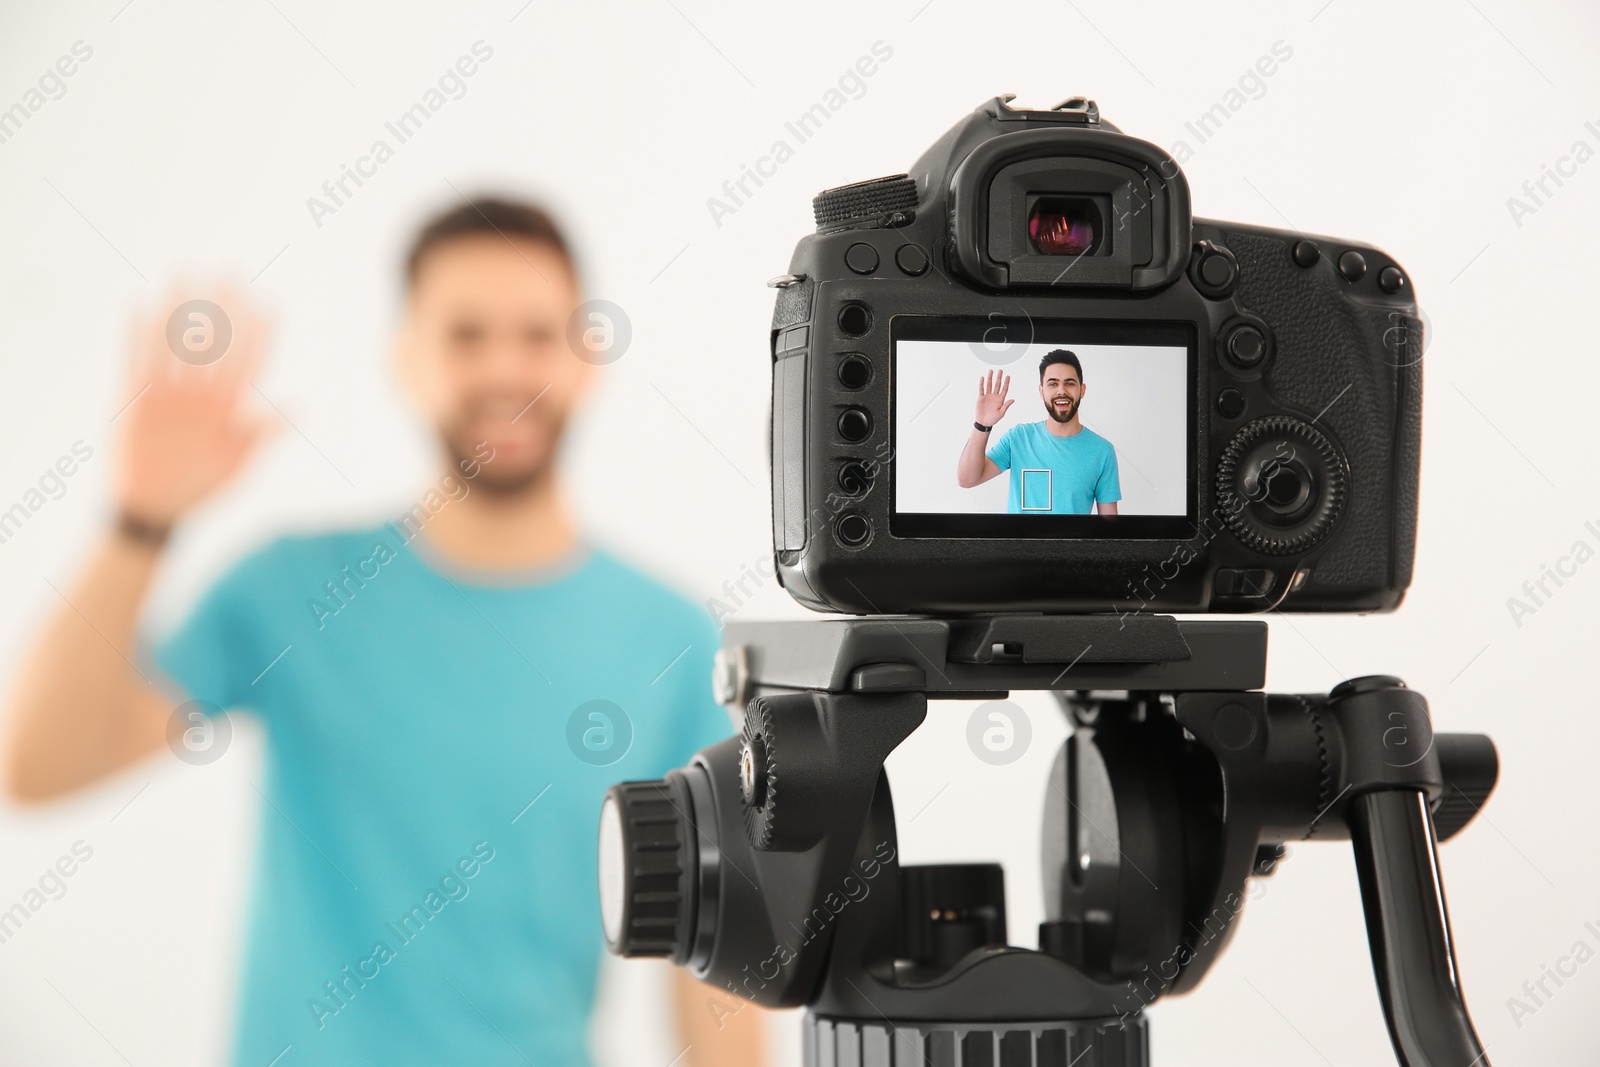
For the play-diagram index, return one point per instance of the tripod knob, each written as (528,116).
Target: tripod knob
(786,773)
(647,866)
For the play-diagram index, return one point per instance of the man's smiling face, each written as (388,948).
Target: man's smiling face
(1061,390)
(486,349)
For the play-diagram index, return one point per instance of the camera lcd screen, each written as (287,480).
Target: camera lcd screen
(1092,428)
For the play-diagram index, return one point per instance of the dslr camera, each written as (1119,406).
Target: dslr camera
(1023,403)
(1231,425)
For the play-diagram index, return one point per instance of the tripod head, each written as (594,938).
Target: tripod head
(769,866)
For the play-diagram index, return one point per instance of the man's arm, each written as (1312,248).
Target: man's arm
(720,1029)
(80,709)
(1105,508)
(975,467)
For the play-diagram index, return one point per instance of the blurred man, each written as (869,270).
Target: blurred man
(1057,465)
(445,697)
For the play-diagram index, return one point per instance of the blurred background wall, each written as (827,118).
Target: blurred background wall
(190,137)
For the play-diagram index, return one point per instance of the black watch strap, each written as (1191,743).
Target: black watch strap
(142,531)
(982,427)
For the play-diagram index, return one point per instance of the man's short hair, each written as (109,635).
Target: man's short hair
(488,217)
(1060,355)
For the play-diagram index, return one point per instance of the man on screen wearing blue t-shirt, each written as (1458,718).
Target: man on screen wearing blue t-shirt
(445,697)
(1058,466)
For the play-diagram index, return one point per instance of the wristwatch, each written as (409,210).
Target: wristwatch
(142,531)
(981,426)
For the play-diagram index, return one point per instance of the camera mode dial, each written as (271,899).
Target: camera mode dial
(1281,485)
(890,201)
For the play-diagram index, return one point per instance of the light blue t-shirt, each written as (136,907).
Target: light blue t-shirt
(1063,475)
(425,888)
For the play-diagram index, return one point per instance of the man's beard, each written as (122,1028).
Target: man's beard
(495,475)
(1062,415)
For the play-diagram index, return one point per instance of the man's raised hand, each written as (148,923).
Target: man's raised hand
(992,402)
(186,429)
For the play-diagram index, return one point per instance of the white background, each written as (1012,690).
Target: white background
(1137,399)
(193,137)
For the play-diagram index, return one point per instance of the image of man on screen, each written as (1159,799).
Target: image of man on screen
(1058,465)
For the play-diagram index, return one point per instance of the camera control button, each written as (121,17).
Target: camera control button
(855,370)
(855,319)
(912,260)
(1213,270)
(1391,279)
(1352,265)
(855,478)
(1230,403)
(854,424)
(1216,271)
(853,529)
(1246,346)
(1281,485)
(1305,254)
(861,258)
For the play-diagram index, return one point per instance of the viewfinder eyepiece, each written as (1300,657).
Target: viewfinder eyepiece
(1065,226)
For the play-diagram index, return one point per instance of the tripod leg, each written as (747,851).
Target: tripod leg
(1409,930)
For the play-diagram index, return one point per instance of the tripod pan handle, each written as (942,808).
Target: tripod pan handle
(1408,927)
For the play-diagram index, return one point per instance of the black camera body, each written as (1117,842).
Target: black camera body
(1260,391)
